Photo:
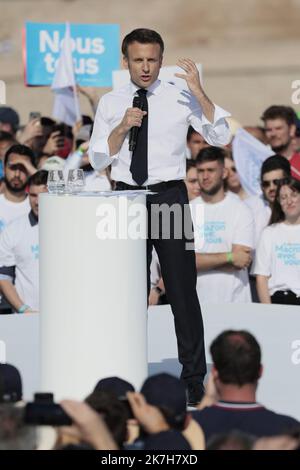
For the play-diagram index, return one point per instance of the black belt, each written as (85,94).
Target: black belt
(158,188)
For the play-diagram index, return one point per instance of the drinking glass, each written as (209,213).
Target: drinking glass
(75,181)
(56,182)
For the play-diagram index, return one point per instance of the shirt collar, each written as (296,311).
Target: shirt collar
(237,405)
(154,89)
(33,219)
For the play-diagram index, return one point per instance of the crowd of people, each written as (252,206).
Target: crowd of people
(246,245)
(247,250)
(231,244)
(114,416)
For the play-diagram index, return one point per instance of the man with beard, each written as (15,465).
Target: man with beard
(18,167)
(224,234)
(280,129)
(19,252)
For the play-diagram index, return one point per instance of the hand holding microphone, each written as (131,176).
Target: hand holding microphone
(132,120)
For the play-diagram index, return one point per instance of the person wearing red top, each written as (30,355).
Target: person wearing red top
(280,130)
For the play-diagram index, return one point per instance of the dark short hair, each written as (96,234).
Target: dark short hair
(237,357)
(275,162)
(190,132)
(20,149)
(114,413)
(211,154)
(143,36)
(233,440)
(64,129)
(280,112)
(46,121)
(39,178)
(190,164)
(277,212)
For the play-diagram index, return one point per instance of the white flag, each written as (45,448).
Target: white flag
(66,105)
(249,154)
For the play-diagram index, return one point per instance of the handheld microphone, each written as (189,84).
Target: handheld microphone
(137,103)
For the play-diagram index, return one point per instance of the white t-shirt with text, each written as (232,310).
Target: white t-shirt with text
(278,256)
(222,225)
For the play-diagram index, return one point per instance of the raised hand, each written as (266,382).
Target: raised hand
(32,129)
(53,143)
(191,77)
(148,416)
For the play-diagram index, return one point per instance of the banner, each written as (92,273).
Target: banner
(95,50)
(66,104)
(249,154)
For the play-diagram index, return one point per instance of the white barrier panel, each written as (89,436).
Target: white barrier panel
(19,337)
(93,285)
(276,327)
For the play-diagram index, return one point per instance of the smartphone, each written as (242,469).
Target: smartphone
(34,115)
(43,411)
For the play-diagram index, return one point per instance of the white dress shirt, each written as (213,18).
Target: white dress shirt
(95,181)
(171,111)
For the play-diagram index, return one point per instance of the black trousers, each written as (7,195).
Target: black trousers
(178,266)
(285,297)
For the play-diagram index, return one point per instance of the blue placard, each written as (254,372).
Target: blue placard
(95,50)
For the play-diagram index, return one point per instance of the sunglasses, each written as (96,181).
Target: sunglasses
(276,182)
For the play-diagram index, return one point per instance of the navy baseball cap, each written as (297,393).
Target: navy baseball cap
(119,387)
(166,392)
(10,384)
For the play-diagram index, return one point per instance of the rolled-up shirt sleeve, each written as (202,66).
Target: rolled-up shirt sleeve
(99,149)
(216,132)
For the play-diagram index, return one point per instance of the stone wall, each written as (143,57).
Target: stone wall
(250,50)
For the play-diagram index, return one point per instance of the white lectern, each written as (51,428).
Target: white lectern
(93,301)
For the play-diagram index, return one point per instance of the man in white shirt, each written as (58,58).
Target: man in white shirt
(18,167)
(224,234)
(19,253)
(157,162)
